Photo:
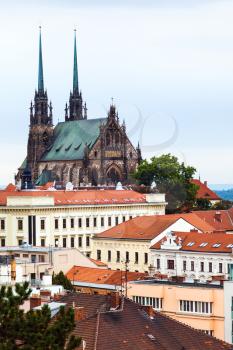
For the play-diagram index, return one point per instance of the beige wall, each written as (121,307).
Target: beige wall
(171,296)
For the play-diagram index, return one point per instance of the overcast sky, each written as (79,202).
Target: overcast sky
(168,64)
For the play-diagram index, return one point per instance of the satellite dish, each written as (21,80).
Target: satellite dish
(69,186)
(119,186)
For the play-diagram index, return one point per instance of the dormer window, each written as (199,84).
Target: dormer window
(190,244)
(204,244)
(216,245)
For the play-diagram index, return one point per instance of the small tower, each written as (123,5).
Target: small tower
(41,121)
(75,101)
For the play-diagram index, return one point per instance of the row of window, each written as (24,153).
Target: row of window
(200,307)
(156,303)
(171,266)
(72,242)
(119,257)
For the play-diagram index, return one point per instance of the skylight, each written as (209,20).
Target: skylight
(190,244)
(230,246)
(216,245)
(204,244)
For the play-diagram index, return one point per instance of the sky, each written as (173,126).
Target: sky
(168,64)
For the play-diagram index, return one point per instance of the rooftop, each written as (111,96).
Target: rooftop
(204,192)
(219,219)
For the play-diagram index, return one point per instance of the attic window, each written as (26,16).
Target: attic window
(67,148)
(216,245)
(230,246)
(204,244)
(77,147)
(58,149)
(190,244)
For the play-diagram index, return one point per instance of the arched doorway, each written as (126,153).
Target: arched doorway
(113,175)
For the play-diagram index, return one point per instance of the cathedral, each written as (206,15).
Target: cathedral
(83,151)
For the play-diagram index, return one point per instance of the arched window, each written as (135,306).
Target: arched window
(117,138)
(108,138)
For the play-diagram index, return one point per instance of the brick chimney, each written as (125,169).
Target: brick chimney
(218,216)
(34,302)
(115,300)
(205,183)
(79,313)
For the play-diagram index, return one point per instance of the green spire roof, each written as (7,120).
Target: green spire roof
(40,71)
(75,70)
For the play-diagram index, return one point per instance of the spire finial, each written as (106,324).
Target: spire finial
(75,69)
(40,71)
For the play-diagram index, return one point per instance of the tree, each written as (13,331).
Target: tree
(62,280)
(33,330)
(172,178)
(223,205)
(203,204)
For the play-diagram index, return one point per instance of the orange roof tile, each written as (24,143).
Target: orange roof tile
(148,227)
(102,276)
(80,197)
(219,219)
(202,242)
(204,192)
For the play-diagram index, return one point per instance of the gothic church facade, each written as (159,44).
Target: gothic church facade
(86,152)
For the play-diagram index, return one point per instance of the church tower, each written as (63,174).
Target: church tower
(75,110)
(41,122)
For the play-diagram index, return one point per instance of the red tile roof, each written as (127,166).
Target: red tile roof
(148,227)
(219,219)
(202,242)
(102,276)
(80,197)
(204,192)
(130,328)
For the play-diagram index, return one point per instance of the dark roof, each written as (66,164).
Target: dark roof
(130,328)
(70,139)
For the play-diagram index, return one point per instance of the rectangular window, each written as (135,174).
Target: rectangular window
(64,242)
(64,223)
(200,307)
(127,256)
(20,242)
(72,223)
(158,263)
(130,217)
(3,242)
(56,242)
(20,225)
(192,265)
(42,224)
(102,222)
(116,220)
(95,222)
(210,267)
(80,222)
(109,255)
(42,242)
(56,224)
(170,264)
(2,224)
(220,269)
(72,242)
(25,255)
(156,303)
(136,257)
(118,256)
(98,256)
(88,241)
(109,221)
(41,258)
(123,218)
(80,242)
(33,258)
(184,265)
(202,267)
(87,222)
(146,258)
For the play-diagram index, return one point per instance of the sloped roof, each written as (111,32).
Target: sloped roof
(148,227)
(80,197)
(70,139)
(130,328)
(221,220)
(101,276)
(202,242)
(204,192)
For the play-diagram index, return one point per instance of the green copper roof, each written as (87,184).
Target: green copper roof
(24,164)
(40,71)
(45,177)
(70,139)
(75,70)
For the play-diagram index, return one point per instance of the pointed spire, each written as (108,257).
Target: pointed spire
(40,72)
(75,69)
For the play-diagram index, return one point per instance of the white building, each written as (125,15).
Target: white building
(193,255)
(69,218)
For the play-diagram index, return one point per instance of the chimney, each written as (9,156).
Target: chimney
(218,216)
(205,183)
(34,302)
(149,310)
(114,300)
(79,313)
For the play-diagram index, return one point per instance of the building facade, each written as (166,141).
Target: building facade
(86,152)
(69,218)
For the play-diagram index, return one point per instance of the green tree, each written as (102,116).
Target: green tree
(62,280)
(203,204)
(33,330)
(172,178)
(223,205)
